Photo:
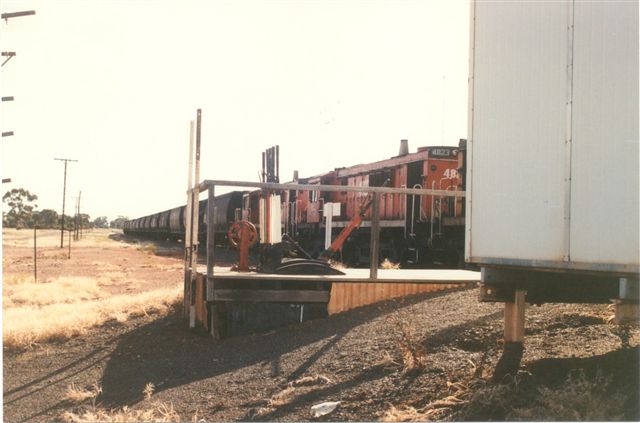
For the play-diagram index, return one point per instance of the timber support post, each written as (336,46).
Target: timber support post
(509,362)
(514,318)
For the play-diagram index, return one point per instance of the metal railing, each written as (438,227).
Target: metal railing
(210,185)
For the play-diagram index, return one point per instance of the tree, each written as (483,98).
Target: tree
(119,222)
(101,222)
(46,219)
(84,220)
(20,202)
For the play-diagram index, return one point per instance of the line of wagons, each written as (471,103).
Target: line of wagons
(414,230)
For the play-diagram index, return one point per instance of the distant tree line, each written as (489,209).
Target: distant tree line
(19,212)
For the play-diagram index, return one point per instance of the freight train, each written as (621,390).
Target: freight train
(414,230)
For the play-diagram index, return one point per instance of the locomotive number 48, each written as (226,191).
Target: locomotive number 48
(450,173)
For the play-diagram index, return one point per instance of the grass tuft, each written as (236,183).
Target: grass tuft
(148,248)
(77,395)
(283,397)
(388,264)
(414,356)
(311,380)
(161,412)
(148,390)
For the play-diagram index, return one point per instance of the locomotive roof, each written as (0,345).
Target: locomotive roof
(423,153)
(435,152)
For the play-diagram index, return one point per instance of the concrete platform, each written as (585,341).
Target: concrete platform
(394,276)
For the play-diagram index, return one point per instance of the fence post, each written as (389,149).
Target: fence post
(35,255)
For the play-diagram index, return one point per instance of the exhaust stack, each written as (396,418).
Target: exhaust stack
(404,148)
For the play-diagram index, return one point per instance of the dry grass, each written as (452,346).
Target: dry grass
(337,264)
(148,248)
(161,412)
(283,397)
(414,356)
(577,399)
(385,360)
(31,324)
(434,410)
(51,238)
(311,380)
(148,390)
(387,264)
(411,414)
(21,292)
(16,279)
(77,395)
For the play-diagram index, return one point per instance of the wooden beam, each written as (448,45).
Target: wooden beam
(514,318)
(271,295)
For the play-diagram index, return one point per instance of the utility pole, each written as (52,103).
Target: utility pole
(79,216)
(9,55)
(77,232)
(64,193)
(75,220)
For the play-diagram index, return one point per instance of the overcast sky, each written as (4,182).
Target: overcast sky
(114,85)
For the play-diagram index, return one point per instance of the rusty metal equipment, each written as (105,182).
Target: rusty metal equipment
(353,225)
(243,235)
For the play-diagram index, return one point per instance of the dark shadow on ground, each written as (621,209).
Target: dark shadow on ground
(620,368)
(165,354)
(600,387)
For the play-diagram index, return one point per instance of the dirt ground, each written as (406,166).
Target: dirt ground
(574,357)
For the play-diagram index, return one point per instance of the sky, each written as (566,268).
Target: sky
(114,85)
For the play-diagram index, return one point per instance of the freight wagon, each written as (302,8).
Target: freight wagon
(170,224)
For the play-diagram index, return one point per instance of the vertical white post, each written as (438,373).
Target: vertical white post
(328,215)
(188,230)
(195,211)
(275,225)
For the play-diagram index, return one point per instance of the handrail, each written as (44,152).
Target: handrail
(333,188)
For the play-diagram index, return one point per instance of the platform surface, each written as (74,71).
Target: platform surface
(358,276)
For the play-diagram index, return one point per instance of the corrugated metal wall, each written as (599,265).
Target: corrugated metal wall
(553,177)
(604,168)
(518,130)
